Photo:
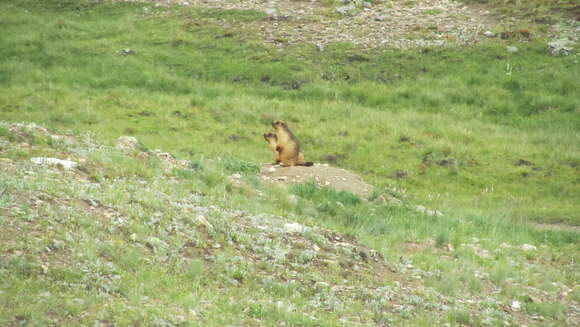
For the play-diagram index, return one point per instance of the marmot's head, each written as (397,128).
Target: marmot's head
(270,137)
(279,124)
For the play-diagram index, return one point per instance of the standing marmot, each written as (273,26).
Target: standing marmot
(287,146)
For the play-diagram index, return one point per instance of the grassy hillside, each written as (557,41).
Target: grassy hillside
(477,129)
(488,137)
(138,238)
(454,123)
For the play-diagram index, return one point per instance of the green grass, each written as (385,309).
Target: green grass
(456,122)
(118,241)
(487,137)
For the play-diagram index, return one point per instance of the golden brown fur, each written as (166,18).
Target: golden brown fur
(272,140)
(287,146)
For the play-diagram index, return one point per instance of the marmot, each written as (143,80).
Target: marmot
(287,146)
(272,140)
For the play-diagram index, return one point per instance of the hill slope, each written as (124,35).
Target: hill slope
(467,148)
(137,237)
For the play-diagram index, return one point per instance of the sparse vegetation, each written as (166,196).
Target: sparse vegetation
(487,137)
(543,11)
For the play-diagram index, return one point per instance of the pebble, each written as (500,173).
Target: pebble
(294,228)
(127,143)
(380,18)
(66,164)
(201,221)
(512,49)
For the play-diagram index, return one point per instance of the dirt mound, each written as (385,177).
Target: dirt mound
(321,174)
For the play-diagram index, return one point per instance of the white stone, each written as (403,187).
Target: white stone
(562,46)
(380,18)
(512,49)
(67,164)
(504,246)
(201,221)
(294,228)
(127,143)
(272,12)
(347,10)
(420,208)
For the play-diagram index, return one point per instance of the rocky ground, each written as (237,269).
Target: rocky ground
(380,24)
(362,23)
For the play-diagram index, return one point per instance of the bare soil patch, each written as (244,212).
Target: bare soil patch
(321,174)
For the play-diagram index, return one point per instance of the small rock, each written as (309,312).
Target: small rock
(538,317)
(127,143)
(201,221)
(347,10)
(66,164)
(271,170)
(126,52)
(320,47)
(387,198)
(322,285)
(489,34)
(380,18)
(236,176)
(512,49)
(483,253)
(449,247)
(516,306)
(294,228)
(529,247)
(561,47)
(271,12)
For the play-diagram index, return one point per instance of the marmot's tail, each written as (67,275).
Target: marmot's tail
(307,164)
